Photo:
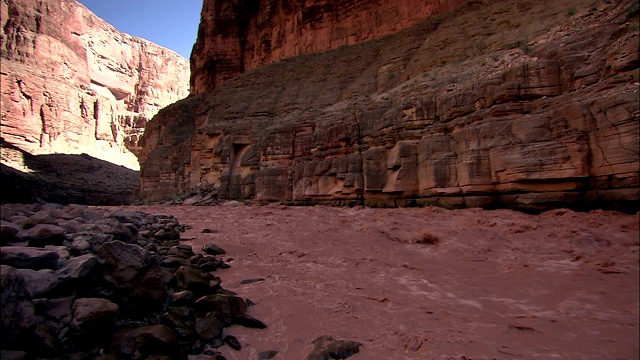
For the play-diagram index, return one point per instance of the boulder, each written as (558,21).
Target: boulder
(249,321)
(227,307)
(134,273)
(93,318)
(213,249)
(326,347)
(39,282)
(183,251)
(29,258)
(193,280)
(145,342)
(209,327)
(63,252)
(233,342)
(123,263)
(43,216)
(9,232)
(46,234)
(56,309)
(17,313)
(77,268)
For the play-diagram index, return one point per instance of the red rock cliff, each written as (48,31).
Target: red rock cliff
(237,35)
(528,104)
(72,83)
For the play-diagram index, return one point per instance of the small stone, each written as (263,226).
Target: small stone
(216,343)
(265,355)
(80,244)
(12,355)
(182,298)
(233,342)
(250,281)
(213,249)
(250,322)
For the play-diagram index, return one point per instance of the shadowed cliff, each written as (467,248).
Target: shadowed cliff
(65,179)
(526,104)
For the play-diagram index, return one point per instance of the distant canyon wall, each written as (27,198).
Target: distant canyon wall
(522,104)
(238,35)
(72,83)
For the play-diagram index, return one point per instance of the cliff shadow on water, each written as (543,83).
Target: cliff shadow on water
(64,179)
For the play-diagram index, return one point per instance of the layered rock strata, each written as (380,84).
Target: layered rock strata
(238,35)
(72,83)
(526,104)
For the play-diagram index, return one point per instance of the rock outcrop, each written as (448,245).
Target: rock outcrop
(72,83)
(526,104)
(238,35)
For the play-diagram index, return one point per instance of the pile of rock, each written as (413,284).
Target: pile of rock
(89,283)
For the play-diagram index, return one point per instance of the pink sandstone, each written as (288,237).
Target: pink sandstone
(72,83)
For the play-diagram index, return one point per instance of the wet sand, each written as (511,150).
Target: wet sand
(428,283)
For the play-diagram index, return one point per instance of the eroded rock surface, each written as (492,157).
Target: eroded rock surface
(235,35)
(72,83)
(527,104)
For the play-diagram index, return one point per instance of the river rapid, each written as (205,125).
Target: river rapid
(427,283)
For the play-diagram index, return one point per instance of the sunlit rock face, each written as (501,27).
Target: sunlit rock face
(72,83)
(526,104)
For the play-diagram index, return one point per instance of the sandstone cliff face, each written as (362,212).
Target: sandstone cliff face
(238,35)
(527,104)
(72,83)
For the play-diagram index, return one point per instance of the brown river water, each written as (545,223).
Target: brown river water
(427,283)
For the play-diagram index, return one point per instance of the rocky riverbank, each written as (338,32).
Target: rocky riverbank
(88,283)
(405,283)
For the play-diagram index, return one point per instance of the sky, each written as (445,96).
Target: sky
(169,23)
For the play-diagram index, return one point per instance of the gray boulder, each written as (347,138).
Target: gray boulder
(46,234)
(17,313)
(39,282)
(24,257)
(43,216)
(135,274)
(77,268)
(9,232)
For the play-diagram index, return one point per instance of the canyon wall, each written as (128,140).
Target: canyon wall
(72,83)
(523,104)
(238,35)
